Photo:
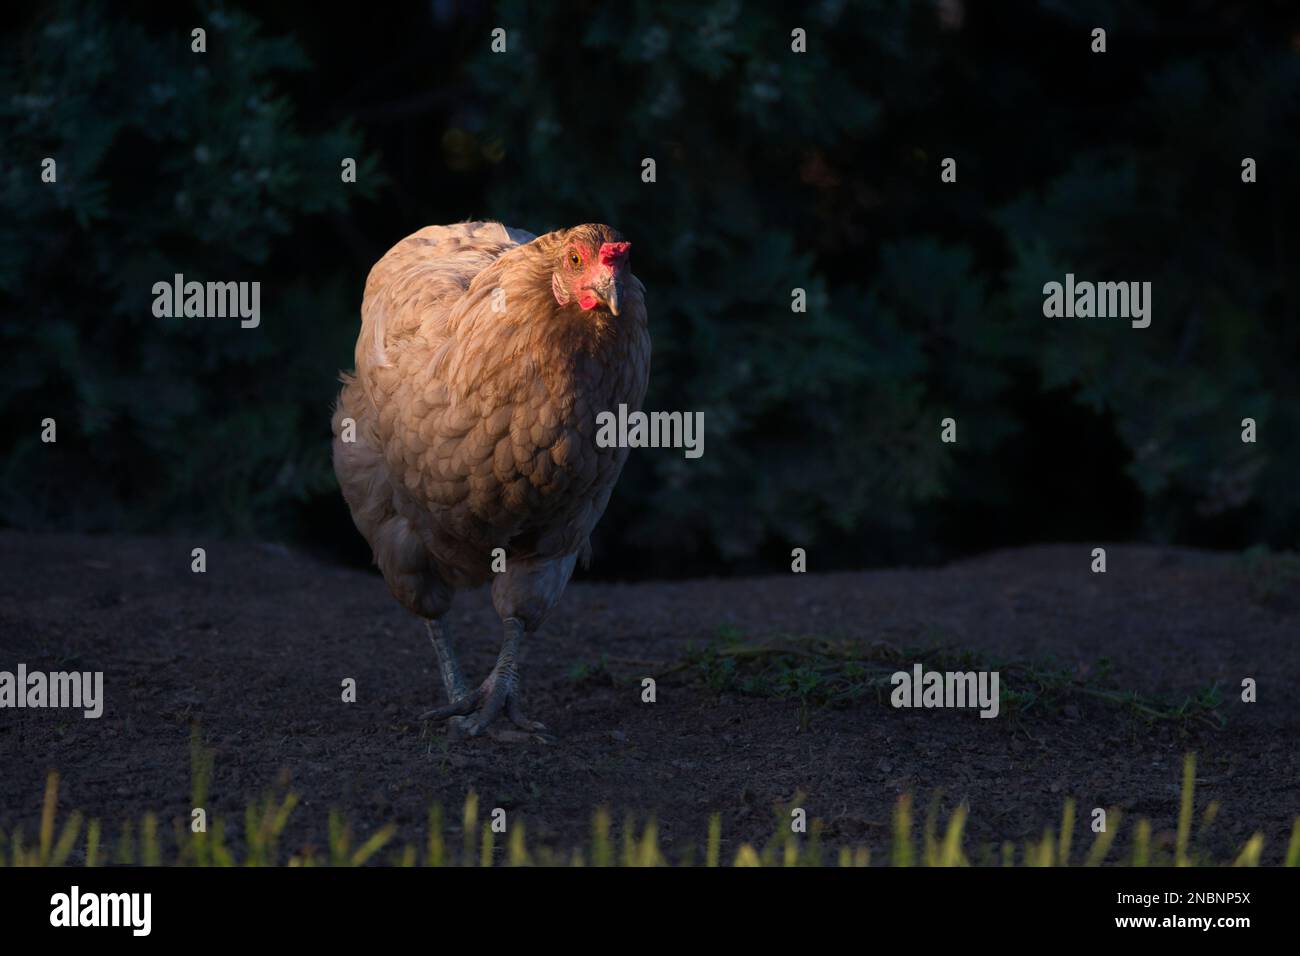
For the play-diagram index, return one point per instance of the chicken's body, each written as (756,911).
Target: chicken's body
(484,357)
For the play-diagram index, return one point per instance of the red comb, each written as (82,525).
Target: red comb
(612,252)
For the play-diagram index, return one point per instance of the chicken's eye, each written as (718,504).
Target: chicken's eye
(575,260)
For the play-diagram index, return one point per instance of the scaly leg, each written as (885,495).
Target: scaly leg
(497,695)
(453,682)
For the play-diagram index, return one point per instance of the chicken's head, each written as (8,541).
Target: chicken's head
(591,268)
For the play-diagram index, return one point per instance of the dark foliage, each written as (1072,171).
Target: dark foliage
(774,171)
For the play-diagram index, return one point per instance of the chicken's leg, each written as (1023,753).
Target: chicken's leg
(498,694)
(453,682)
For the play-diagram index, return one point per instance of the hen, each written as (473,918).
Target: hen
(469,425)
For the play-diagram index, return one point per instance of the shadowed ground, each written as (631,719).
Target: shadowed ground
(255,651)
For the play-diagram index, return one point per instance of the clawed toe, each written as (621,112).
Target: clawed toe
(515,714)
(457,708)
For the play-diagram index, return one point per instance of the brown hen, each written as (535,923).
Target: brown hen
(469,425)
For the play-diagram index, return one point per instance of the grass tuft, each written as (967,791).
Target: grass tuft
(265,821)
(820,672)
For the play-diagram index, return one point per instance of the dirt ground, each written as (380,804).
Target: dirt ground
(255,651)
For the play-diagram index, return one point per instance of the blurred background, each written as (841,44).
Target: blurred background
(774,171)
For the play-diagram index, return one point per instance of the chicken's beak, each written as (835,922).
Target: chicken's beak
(611,293)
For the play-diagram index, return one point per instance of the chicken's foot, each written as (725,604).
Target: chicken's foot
(498,694)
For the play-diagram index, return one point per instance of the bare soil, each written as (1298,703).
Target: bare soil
(255,651)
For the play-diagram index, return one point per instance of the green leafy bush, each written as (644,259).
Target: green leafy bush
(774,171)
(167,162)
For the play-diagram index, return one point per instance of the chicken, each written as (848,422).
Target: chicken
(484,357)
